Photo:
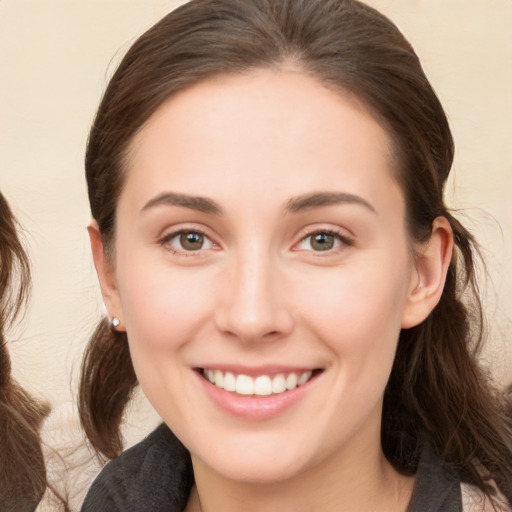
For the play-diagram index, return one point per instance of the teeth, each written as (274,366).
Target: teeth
(263,385)
(304,378)
(219,379)
(229,382)
(244,385)
(278,384)
(291,381)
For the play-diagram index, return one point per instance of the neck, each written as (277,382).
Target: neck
(363,481)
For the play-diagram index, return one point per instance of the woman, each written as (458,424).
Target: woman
(22,469)
(282,276)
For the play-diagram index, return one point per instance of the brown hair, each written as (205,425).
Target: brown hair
(22,469)
(436,392)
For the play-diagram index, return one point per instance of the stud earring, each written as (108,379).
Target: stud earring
(115,322)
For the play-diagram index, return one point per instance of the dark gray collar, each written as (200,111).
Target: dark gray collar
(437,489)
(156,475)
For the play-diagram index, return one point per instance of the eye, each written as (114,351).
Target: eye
(322,241)
(187,241)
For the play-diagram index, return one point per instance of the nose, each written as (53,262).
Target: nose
(254,306)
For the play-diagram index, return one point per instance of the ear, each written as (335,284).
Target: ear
(429,274)
(106,275)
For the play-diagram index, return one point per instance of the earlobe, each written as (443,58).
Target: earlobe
(429,276)
(106,274)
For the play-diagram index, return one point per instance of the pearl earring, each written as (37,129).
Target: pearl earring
(115,322)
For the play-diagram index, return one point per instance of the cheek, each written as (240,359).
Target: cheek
(357,310)
(162,307)
(362,297)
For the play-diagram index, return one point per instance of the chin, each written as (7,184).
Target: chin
(262,472)
(260,461)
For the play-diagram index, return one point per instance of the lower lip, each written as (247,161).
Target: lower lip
(255,408)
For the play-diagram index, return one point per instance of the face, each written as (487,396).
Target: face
(262,272)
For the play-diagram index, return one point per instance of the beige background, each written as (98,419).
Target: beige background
(56,57)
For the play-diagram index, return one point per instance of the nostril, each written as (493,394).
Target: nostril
(253,313)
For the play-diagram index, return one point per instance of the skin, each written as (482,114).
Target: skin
(259,295)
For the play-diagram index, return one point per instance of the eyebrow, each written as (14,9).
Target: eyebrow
(320,199)
(294,205)
(200,204)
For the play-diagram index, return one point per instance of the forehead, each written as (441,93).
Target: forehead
(265,126)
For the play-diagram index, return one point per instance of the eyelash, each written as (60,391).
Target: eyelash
(342,239)
(165,241)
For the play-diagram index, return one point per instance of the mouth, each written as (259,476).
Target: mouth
(264,385)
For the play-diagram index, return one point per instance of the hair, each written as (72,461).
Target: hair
(436,394)
(22,468)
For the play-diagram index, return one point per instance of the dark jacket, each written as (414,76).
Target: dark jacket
(156,475)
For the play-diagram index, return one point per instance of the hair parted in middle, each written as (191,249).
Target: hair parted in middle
(436,392)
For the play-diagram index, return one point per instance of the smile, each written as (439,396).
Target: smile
(260,385)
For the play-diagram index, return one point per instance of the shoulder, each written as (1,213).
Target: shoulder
(153,475)
(474,500)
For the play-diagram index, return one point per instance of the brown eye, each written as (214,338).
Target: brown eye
(322,241)
(187,241)
(191,241)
